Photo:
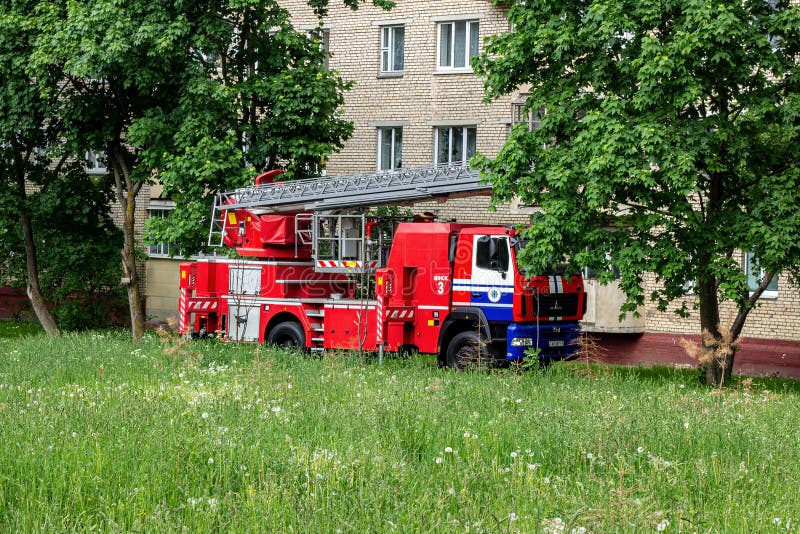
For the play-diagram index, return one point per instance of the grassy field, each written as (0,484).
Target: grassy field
(99,433)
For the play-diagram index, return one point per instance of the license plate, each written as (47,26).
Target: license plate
(558,343)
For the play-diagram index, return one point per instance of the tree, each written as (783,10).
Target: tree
(121,62)
(55,230)
(174,90)
(670,140)
(258,97)
(27,98)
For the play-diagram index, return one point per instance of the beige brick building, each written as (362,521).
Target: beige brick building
(416,101)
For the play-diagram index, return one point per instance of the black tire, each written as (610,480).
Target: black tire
(288,334)
(467,351)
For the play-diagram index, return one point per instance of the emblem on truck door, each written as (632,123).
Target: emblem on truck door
(494,294)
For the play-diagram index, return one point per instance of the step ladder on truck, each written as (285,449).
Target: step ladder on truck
(316,270)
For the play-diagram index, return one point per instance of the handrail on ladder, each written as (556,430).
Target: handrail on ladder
(331,192)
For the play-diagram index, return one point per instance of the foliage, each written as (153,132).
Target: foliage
(256,96)
(78,251)
(100,433)
(670,139)
(74,243)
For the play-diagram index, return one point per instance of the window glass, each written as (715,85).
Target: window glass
(390,148)
(755,274)
(445,38)
(458,43)
(455,143)
(492,253)
(96,162)
(158,249)
(392,48)
(473,39)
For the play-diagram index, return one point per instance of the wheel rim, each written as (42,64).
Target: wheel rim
(467,356)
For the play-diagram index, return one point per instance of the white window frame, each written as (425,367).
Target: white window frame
(768,293)
(158,250)
(468,34)
(393,131)
(387,49)
(93,165)
(464,142)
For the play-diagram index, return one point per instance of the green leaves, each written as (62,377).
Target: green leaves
(670,138)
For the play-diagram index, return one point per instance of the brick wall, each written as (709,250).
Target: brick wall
(421,98)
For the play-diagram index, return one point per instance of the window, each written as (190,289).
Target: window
(458,42)
(158,250)
(392,48)
(454,144)
(323,35)
(96,162)
(492,253)
(755,274)
(390,148)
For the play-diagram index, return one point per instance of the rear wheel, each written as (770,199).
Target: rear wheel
(287,334)
(467,351)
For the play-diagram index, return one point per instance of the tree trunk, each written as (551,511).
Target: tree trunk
(34,291)
(716,370)
(129,269)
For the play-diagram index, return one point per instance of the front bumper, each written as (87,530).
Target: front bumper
(555,341)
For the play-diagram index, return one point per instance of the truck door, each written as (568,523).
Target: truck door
(492,280)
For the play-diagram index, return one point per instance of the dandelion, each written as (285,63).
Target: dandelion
(74,434)
(578,530)
(204,415)
(640,450)
(448,449)
(512,516)
(590,456)
(210,461)
(661,527)
(438,459)
(513,454)
(776,521)
(466,435)
(686,425)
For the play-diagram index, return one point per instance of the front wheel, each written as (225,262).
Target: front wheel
(467,351)
(288,334)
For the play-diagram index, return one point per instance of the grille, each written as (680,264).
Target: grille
(557,305)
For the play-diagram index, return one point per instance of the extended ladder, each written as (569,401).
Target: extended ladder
(334,192)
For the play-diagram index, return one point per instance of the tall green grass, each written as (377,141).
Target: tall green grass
(99,433)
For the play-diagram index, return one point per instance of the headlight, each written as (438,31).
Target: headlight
(521,342)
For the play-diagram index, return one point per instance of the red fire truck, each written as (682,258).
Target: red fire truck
(311,273)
